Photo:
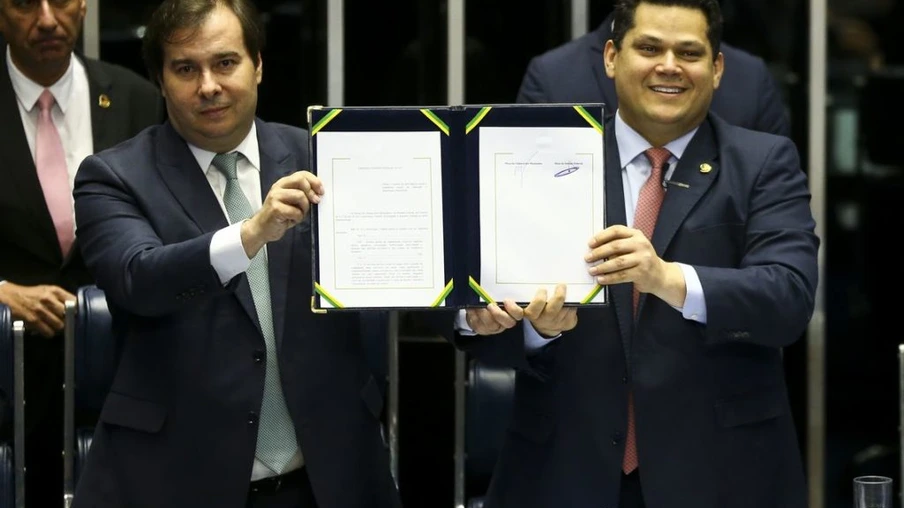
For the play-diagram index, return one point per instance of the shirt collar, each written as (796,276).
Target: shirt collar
(28,91)
(631,144)
(248,148)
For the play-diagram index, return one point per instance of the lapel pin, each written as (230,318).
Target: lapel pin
(705,168)
(103,101)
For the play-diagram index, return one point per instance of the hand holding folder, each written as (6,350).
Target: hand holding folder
(456,206)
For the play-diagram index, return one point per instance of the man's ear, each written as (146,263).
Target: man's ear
(259,71)
(609,54)
(718,69)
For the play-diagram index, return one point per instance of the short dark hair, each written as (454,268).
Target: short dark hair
(174,15)
(625,10)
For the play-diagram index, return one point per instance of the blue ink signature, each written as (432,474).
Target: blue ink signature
(566,171)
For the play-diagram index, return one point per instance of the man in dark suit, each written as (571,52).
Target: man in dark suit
(573,72)
(94,106)
(230,391)
(673,395)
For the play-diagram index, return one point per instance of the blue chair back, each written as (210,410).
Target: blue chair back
(488,409)
(96,356)
(7,391)
(96,349)
(7,367)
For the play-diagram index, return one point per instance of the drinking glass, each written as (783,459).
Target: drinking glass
(872,492)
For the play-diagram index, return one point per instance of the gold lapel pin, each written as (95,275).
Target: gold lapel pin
(705,168)
(103,101)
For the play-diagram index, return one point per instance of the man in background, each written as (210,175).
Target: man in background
(573,72)
(57,108)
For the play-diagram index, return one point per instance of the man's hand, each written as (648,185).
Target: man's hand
(620,254)
(42,308)
(549,316)
(492,319)
(286,205)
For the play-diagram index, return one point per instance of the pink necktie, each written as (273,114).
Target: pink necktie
(50,161)
(645,214)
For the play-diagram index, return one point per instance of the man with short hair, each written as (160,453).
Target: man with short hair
(574,72)
(230,391)
(673,395)
(57,108)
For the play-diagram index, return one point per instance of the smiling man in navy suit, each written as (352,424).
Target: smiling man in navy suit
(574,72)
(674,395)
(230,391)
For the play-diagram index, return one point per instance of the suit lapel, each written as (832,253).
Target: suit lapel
(277,161)
(619,294)
(103,127)
(18,170)
(187,182)
(179,170)
(697,169)
(102,98)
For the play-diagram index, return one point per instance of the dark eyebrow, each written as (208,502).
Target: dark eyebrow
(647,39)
(218,56)
(226,54)
(691,45)
(181,61)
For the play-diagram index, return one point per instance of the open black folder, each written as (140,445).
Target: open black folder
(455,206)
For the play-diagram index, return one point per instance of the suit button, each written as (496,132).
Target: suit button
(252,418)
(616,438)
(624,380)
(258,356)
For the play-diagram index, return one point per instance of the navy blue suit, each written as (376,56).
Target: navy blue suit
(714,427)
(180,424)
(574,72)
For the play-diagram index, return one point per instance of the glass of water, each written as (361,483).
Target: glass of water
(872,492)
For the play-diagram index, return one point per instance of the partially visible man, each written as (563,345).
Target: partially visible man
(673,395)
(230,391)
(57,108)
(574,72)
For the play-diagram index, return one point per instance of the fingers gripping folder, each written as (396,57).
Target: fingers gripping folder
(429,208)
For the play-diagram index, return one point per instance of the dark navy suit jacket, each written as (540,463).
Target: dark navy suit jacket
(714,428)
(180,424)
(29,251)
(574,72)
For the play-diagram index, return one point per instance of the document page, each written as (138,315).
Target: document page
(541,199)
(380,221)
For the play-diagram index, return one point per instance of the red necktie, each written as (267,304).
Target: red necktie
(50,161)
(645,214)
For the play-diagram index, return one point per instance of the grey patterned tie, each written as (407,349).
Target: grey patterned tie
(276,443)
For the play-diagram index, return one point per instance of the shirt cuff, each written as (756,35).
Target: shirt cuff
(227,254)
(533,341)
(461,324)
(695,302)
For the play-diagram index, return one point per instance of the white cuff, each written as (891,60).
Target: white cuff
(227,254)
(461,324)
(695,301)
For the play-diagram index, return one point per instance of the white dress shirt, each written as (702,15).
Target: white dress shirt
(227,254)
(635,170)
(71,113)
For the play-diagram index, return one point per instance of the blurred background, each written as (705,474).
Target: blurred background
(841,73)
